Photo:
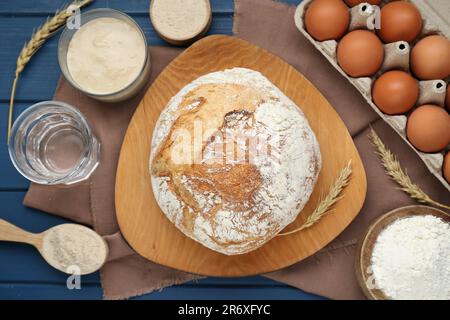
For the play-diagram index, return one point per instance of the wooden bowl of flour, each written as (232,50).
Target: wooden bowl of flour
(180,22)
(366,246)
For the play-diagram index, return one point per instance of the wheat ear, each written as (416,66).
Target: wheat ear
(394,170)
(332,197)
(38,38)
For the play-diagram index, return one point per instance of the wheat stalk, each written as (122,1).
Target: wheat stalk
(38,38)
(394,170)
(324,206)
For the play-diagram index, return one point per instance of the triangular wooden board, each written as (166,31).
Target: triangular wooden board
(153,236)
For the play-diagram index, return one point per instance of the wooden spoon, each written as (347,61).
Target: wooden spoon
(70,248)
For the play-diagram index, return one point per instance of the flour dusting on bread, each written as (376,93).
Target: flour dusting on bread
(233,202)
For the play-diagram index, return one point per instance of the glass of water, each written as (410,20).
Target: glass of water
(52,143)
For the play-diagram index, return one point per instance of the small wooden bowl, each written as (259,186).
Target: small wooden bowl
(366,245)
(189,39)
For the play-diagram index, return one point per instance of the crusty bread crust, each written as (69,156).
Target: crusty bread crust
(218,185)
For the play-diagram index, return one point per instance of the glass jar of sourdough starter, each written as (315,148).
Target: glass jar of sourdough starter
(106,58)
(52,143)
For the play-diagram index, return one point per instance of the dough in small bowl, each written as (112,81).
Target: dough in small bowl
(233,160)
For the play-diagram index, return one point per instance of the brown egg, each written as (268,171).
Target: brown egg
(430,58)
(360,53)
(352,3)
(446,167)
(400,21)
(327,19)
(395,92)
(428,128)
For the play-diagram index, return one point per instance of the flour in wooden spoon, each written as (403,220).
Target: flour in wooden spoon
(70,246)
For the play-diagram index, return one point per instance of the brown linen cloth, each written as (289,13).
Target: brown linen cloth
(329,272)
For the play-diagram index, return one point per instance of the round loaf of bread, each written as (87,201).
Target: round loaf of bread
(233,160)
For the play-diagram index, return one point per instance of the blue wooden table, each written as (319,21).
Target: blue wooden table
(23,273)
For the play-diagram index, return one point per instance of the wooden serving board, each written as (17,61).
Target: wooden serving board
(153,236)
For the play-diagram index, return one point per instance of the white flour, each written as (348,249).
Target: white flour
(411,259)
(70,245)
(288,175)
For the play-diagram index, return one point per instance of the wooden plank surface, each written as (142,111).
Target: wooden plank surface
(23,273)
(192,292)
(133,7)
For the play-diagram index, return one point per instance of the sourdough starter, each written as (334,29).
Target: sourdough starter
(105,55)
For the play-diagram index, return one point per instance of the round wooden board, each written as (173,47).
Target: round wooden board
(365,248)
(153,236)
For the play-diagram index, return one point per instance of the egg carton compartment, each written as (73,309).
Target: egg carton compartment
(397,56)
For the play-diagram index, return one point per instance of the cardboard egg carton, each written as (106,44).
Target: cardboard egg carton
(397,56)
